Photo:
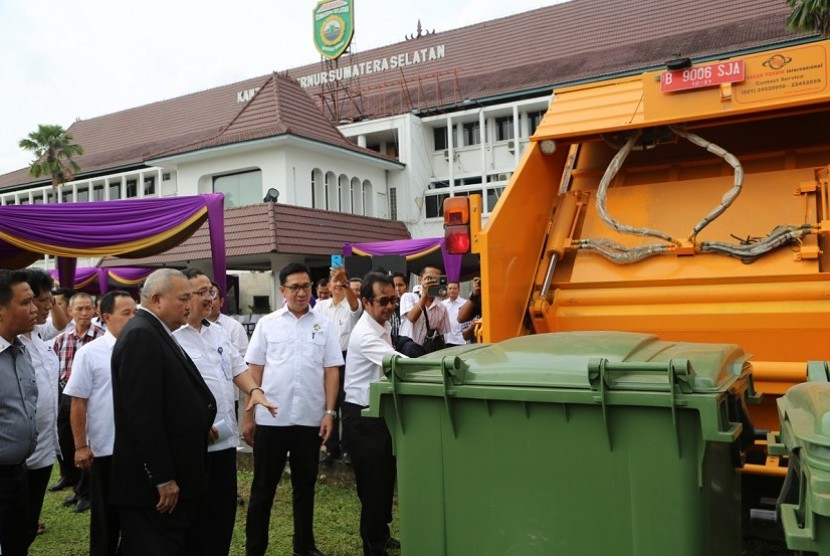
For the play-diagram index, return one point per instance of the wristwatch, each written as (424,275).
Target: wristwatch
(331,412)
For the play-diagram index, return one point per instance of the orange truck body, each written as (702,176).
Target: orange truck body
(774,117)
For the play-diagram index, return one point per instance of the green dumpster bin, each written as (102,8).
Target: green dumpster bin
(582,443)
(804,508)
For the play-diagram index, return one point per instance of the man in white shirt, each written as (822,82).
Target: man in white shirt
(453,303)
(413,306)
(220,365)
(294,354)
(45,364)
(369,439)
(232,327)
(343,310)
(59,317)
(91,416)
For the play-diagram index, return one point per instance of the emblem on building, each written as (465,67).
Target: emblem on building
(333,27)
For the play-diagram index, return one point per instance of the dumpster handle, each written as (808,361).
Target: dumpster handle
(453,371)
(596,376)
(793,530)
(680,375)
(394,379)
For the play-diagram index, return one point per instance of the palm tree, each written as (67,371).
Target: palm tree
(53,149)
(810,15)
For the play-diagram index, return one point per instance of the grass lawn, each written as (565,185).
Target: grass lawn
(336,517)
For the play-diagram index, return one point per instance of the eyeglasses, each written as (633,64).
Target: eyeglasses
(394,300)
(212,293)
(294,288)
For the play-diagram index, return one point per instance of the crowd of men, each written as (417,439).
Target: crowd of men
(137,404)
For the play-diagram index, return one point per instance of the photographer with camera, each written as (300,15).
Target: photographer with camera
(424,318)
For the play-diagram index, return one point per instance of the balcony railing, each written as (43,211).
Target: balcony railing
(135,184)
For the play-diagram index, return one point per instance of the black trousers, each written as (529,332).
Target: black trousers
(374,469)
(337,444)
(38,481)
(79,479)
(104,522)
(214,527)
(271,449)
(14,508)
(146,531)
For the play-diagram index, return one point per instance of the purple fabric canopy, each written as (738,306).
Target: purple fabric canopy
(411,249)
(92,279)
(126,228)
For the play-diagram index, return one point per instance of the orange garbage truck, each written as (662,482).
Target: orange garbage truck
(691,203)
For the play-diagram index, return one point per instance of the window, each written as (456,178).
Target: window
(393,203)
(472,134)
(504,128)
(440,136)
(319,199)
(356,193)
(132,189)
(435,205)
(149,186)
(242,189)
(367,199)
(493,194)
(331,191)
(533,121)
(115,190)
(83,194)
(344,200)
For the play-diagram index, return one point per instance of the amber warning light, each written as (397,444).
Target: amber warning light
(457,225)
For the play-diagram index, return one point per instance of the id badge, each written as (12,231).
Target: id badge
(226,369)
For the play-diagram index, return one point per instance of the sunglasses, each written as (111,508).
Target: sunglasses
(394,300)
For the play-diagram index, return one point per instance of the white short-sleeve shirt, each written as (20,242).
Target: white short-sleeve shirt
(236,332)
(91,379)
(294,351)
(219,363)
(455,336)
(341,315)
(369,343)
(45,364)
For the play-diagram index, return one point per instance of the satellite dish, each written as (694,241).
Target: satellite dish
(272,196)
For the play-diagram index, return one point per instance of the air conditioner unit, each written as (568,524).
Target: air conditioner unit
(504,176)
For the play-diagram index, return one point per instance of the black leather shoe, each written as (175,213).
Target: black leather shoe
(393,544)
(326,459)
(312,552)
(82,505)
(347,459)
(70,500)
(60,485)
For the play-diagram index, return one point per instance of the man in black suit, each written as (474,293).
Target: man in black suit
(163,414)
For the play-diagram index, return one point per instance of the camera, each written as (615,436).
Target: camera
(439,289)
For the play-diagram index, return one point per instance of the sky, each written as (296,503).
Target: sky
(66,59)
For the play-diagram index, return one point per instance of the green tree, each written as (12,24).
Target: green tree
(810,15)
(53,149)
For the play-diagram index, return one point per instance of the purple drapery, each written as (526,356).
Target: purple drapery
(412,248)
(97,280)
(127,228)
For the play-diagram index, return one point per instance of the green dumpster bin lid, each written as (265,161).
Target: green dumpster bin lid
(571,359)
(805,416)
